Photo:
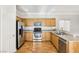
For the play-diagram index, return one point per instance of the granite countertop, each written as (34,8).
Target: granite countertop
(67,37)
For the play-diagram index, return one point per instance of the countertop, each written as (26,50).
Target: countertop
(44,29)
(67,37)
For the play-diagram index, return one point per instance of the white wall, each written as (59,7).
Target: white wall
(8,28)
(74,22)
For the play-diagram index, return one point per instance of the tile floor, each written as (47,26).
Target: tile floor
(37,47)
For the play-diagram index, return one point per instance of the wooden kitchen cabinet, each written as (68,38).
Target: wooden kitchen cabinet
(46,36)
(59,43)
(43,22)
(43,36)
(29,22)
(55,40)
(69,47)
(73,47)
(28,36)
(64,46)
(48,22)
(53,22)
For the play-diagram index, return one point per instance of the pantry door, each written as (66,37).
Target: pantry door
(8,28)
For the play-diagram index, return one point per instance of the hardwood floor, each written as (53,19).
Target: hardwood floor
(37,47)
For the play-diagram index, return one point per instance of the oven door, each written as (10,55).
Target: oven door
(37,34)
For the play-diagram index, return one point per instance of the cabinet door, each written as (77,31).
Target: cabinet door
(53,22)
(8,28)
(29,36)
(43,21)
(48,22)
(29,22)
(47,36)
(52,40)
(55,40)
(43,36)
(73,47)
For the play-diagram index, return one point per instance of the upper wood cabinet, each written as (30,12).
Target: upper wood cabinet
(45,21)
(48,22)
(53,22)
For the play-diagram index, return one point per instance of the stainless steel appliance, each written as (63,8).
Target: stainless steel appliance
(37,32)
(62,46)
(19,34)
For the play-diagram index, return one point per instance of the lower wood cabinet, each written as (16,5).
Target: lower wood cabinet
(73,47)
(55,41)
(46,36)
(28,36)
(64,46)
(59,43)
(43,36)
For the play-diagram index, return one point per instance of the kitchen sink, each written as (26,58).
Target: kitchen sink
(60,33)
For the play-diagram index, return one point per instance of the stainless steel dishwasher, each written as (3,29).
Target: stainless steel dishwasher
(62,45)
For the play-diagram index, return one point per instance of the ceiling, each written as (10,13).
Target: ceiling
(45,10)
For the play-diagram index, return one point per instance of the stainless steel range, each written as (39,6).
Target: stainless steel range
(37,32)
